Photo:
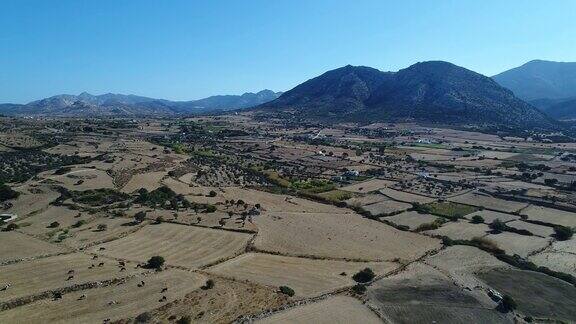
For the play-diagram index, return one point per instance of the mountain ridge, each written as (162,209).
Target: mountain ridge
(109,104)
(435,91)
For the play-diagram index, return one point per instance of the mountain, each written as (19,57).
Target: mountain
(432,91)
(540,80)
(229,102)
(111,104)
(562,109)
(337,93)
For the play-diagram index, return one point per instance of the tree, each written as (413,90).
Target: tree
(6,193)
(363,276)
(54,225)
(102,227)
(508,303)
(208,285)
(498,226)
(184,320)
(144,318)
(477,219)
(563,233)
(140,216)
(359,289)
(155,262)
(550,182)
(210,208)
(287,291)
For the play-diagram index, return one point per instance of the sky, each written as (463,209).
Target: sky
(184,50)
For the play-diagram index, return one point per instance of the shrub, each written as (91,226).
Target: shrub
(359,289)
(210,208)
(143,318)
(155,262)
(497,226)
(208,285)
(287,290)
(477,219)
(363,276)
(102,227)
(6,193)
(54,225)
(508,303)
(140,216)
(212,193)
(159,219)
(79,223)
(563,233)
(184,320)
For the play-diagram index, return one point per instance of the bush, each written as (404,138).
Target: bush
(359,289)
(184,320)
(143,318)
(364,276)
(54,225)
(102,227)
(159,219)
(497,226)
(79,223)
(208,285)
(563,233)
(155,262)
(140,216)
(287,290)
(508,303)
(6,193)
(210,208)
(212,193)
(477,219)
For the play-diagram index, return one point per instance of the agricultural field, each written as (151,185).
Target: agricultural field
(537,295)
(17,246)
(232,218)
(487,202)
(306,276)
(422,294)
(339,236)
(112,302)
(338,309)
(180,245)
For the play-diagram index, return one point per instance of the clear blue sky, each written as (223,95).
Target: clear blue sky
(186,50)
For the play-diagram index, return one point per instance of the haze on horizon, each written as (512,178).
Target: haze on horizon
(181,50)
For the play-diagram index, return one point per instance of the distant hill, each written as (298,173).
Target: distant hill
(111,104)
(433,91)
(540,80)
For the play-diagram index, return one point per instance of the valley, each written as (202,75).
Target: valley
(235,218)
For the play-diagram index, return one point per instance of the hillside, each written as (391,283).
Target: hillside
(540,79)
(429,91)
(565,109)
